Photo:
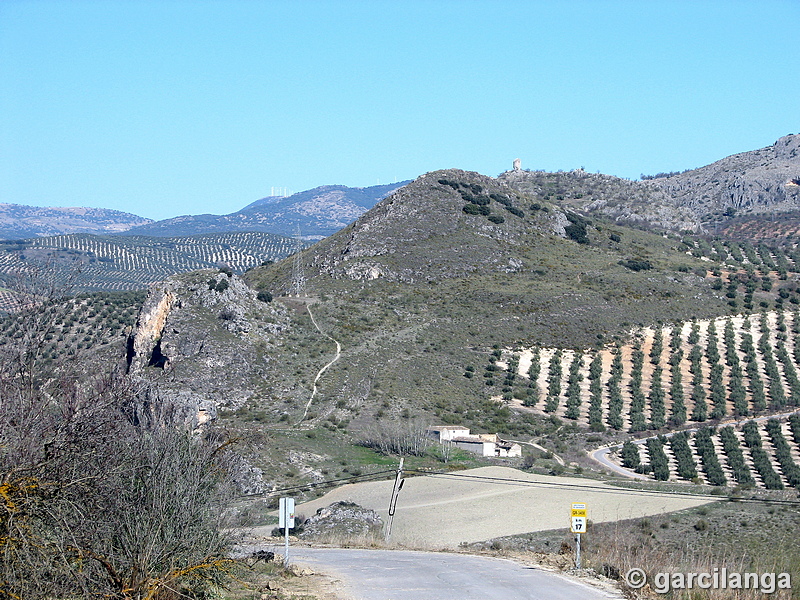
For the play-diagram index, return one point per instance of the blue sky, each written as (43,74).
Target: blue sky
(167,108)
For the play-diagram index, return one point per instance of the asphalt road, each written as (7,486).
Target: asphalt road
(601,456)
(407,575)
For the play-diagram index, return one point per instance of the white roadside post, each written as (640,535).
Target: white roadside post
(286,522)
(578,526)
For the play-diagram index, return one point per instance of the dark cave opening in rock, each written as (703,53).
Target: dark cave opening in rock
(157,358)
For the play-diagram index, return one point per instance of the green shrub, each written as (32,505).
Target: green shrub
(630,455)
(708,457)
(576,231)
(471,209)
(701,525)
(636,264)
(761,461)
(658,459)
(735,457)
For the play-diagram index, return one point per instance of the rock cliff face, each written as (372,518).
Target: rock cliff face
(203,340)
(760,182)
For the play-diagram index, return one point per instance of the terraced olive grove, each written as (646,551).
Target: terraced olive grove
(698,377)
(120,263)
(710,373)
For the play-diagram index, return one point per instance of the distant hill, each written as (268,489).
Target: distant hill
(19,222)
(759,183)
(121,263)
(318,213)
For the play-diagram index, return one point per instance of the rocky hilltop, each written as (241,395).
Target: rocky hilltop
(446,224)
(19,222)
(759,182)
(624,201)
(756,184)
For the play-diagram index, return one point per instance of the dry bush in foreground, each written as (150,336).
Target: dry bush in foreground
(617,550)
(96,504)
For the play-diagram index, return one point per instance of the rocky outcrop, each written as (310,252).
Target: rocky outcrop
(421,232)
(201,342)
(760,182)
(144,343)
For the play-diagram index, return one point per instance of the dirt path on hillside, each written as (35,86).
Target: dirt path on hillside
(323,369)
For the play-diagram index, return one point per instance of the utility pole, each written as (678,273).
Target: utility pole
(398,485)
(297,270)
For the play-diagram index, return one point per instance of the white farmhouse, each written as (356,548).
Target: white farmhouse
(446,433)
(484,444)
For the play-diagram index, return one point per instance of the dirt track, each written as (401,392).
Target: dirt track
(438,512)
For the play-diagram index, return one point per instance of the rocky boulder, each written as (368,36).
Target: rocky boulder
(342,520)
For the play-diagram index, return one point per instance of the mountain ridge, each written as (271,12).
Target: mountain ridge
(758,182)
(317,213)
(755,184)
(20,221)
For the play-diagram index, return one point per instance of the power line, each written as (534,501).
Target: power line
(297,267)
(522,483)
(326,483)
(610,490)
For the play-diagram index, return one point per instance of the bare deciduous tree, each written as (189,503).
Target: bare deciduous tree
(408,439)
